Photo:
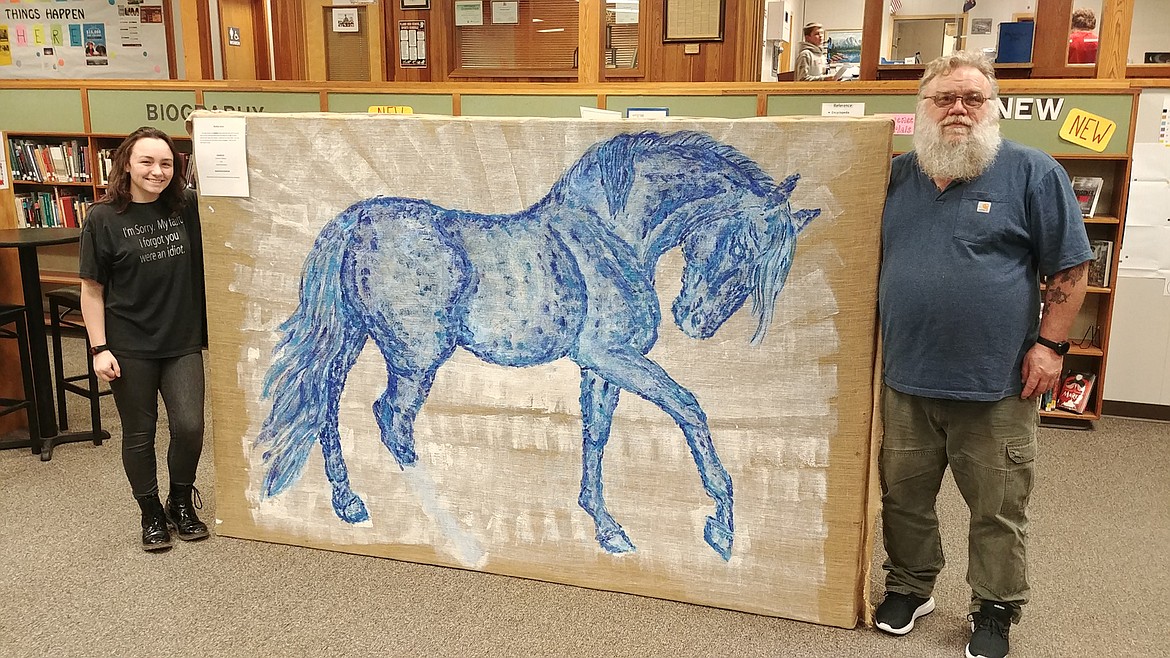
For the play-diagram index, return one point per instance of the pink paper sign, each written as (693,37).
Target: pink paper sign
(903,124)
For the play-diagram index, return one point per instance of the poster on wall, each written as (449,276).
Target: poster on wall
(408,367)
(412,44)
(72,39)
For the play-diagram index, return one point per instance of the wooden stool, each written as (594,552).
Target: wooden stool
(14,315)
(62,303)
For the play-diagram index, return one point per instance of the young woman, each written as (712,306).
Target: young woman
(143,304)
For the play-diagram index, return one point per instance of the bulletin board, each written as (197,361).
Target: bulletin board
(73,39)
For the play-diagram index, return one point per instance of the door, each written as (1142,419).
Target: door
(243,40)
(926,38)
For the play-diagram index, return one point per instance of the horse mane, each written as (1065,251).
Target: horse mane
(615,159)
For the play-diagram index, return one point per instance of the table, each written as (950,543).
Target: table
(26,241)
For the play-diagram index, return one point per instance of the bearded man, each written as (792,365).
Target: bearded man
(970,224)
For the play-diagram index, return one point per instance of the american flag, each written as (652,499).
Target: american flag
(895,6)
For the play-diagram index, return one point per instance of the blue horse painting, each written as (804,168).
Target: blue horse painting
(571,277)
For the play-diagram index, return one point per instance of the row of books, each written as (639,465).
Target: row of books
(67,162)
(51,210)
(105,162)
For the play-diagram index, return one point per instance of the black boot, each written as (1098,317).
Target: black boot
(155,534)
(181,512)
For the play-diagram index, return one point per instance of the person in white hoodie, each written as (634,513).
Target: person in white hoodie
(810,59)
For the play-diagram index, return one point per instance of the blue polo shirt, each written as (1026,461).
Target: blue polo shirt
(959,292)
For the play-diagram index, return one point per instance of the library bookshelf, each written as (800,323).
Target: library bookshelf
(1089,336)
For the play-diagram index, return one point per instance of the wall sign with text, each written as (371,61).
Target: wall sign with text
(412,44)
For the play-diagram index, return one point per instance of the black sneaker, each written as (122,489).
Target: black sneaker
(989,630)
(897,613)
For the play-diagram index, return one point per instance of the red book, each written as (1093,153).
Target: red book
(1074,394)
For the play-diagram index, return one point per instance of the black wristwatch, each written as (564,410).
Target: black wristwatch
(97,349)
(1060,348)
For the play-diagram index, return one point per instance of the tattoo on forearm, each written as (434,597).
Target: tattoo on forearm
(1059,282)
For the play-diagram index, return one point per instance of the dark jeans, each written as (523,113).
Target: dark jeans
(990,448)
(180,380)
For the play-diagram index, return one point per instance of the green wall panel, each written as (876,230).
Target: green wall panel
(420,103)
(1046,134)
(727,107)
(262,101)
(1032,120)
(41,111)
(525,106)
(118,112)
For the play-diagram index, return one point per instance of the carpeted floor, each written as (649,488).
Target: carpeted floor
(74,582)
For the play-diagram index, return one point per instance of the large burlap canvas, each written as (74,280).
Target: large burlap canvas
(626,355)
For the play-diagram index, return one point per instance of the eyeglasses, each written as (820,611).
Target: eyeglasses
(972,100)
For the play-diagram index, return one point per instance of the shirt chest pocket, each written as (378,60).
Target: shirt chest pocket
(982,217)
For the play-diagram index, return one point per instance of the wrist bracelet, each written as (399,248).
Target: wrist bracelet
(97,349)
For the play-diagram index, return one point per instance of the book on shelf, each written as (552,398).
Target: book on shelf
(105,162)
(1087,190)
(1048,401)
(1075,391)
(1099,267)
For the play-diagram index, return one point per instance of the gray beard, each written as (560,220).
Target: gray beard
(965,160)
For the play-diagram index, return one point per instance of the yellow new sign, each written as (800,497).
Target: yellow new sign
(1088,130)
(390,109)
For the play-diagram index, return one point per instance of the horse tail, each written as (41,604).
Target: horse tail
(320,342)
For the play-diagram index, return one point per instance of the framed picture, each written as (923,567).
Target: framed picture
(506,13)
(346,20)
(414,4)
(843,46)
(693,20)
(468,12)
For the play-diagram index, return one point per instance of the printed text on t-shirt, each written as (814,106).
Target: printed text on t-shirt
(157,238)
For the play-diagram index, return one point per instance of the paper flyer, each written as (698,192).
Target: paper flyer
(5,47)
(95,44)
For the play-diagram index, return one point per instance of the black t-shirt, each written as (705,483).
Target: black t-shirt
(150,263)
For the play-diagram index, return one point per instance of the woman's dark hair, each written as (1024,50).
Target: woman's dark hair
(118,192)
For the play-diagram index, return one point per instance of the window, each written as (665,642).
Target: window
(543,39)
(1083,30)
(621,34)
(1149,40)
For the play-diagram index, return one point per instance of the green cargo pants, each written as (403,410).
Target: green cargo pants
(990,447)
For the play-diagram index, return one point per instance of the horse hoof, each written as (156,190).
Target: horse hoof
(616,542)
(719,536)
(349,507)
